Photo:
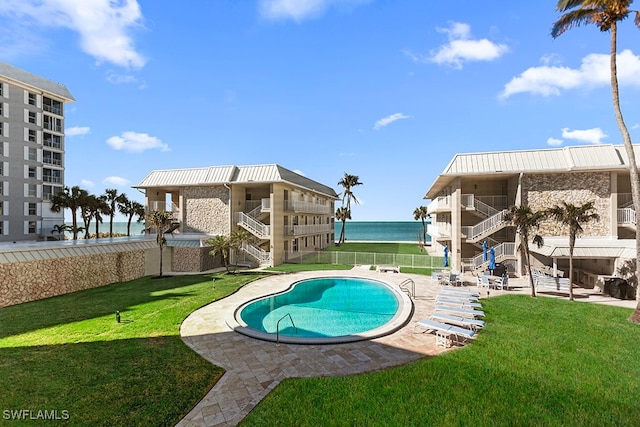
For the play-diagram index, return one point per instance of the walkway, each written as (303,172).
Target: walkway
(254,367)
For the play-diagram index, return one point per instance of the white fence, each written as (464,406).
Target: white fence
(364,258)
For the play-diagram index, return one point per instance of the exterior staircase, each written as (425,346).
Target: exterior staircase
(485,228)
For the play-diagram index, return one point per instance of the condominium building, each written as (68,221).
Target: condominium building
(471,196)
(31,153)
(284,212)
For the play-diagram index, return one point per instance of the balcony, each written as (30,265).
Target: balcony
(52,179)
(308,207)
(300,230)
(54,109)
(52,126)
(439,204)
(51,161)
(52,144)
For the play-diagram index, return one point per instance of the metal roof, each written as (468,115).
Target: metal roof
(33,251)
(587,248)
(591,157)
(37,82)
(217,175)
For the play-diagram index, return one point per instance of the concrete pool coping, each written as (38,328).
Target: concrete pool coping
(399,320)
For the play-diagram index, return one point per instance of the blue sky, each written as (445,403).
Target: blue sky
(386,90)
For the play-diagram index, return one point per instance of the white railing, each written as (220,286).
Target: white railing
(363,258)
(263,257)
(162,206)
(439,230)
(296,230)
(496,202)
(626,216)
(256,228)
(505,249)
(301,206)
(478,230)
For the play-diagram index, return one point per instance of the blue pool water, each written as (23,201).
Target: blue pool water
(323,307)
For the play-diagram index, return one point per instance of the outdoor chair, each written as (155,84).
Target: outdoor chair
(464,322)
(445,333)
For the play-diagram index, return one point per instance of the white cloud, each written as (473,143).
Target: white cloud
(389,119)
(554,141)
(593,72)
(593,136)
(85,183)
(462,48)
(77,131)
(299,10)
(103,25)
(116,181)
(136,142)
(635,126)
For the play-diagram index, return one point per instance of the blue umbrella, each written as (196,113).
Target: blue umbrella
(492,259)
(445,263)
(484,251)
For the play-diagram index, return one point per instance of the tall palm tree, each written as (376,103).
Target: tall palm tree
(526,221)
(348,182)
(69,198)
(160,223)
(573,216)
(342,214)
(130,208)
(112,198)
(605,14)
(420,213)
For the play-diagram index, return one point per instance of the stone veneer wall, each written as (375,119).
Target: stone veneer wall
(194,259)
(207,210)
(33,280)
(545,191)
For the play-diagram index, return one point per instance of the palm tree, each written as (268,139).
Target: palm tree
(342,214)
(605,14)
(220,245)
(130,208)
(61,229)
(348,182)
(112,198)
(525,220)
(90,207)
(420,213)
(69,198)
(573,216)
(238,237)
(160,223)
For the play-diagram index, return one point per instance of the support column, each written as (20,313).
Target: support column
(456,226)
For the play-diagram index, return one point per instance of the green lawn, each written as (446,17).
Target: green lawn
(539,361)
(387,248)
(68,353)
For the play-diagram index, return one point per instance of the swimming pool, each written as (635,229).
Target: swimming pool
(325,310)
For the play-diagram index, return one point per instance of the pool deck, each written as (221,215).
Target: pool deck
(255,367)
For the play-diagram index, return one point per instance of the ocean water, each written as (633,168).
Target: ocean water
(381,231)
(118,227)
(366,231)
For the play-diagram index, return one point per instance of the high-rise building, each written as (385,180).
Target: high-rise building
(31,153)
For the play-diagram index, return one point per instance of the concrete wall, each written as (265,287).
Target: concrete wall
(206,210)
(33,280)
(195,259)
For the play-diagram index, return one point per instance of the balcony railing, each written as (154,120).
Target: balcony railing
(52,126)
(626,216)
(439,203)
(53,179)
(49,160)
(301,206)
(55,109)
(297,230)
(51,144)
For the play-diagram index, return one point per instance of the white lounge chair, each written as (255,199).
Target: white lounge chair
(483,282)
(458,321)
(458,303)
(460,312)
(464,292)
(454,296)
(445,332)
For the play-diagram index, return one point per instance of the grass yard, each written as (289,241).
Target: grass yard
(539,361)
(386,248)
(68,353)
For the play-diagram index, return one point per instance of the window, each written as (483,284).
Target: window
(32,209)
(47,192)
(294,245)
(52,106)
(32,171)
(32,135)
(1,107)
(1,89)
(52,123)
(33,190)
(1,222)
(32,227)
(32,98)
(33,154)
(52,158)
(1,128)
(1,209)
(53,141)
(32,117)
